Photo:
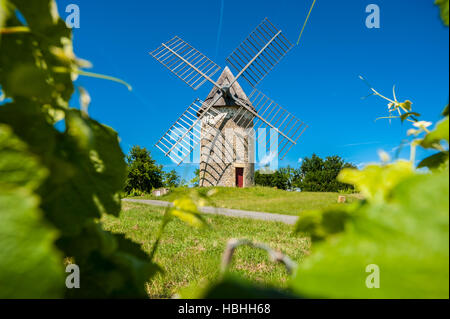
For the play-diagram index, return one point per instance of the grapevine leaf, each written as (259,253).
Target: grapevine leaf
(85,165)
(186,210)
(115,266)
(97,173)
(413,115)
(39,14)
(406,238)
(434,161)
(445,111)
(440,133)
(320,224)
(5,11)
(374,181)
(443,6)
(406,105)
(30,266)
(25,58)
(101,158)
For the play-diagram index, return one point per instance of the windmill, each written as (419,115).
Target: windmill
(228,123)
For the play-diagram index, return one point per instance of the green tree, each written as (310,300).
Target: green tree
(196,180)
(282,178)
(263,178)
(318,175)
(143,172)
(172,179)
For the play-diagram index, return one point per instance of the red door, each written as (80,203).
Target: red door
(240,177)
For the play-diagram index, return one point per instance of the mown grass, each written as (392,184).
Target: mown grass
(262,199)
(191,257)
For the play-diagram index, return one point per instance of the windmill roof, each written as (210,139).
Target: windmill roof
(236,90)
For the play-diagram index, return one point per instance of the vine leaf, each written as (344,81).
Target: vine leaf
(434,161)
(320,224)
(443,5)
(412,115)
(440,133)
(30,265)
(406,237)
(375,182)
(186,210)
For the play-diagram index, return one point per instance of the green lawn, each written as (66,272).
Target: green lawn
(262,199)
(192,256)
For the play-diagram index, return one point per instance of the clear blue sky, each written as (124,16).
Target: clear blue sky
(317,81)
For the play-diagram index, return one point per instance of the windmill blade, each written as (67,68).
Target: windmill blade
(257,55)
(187,63)
(186,133)
(267,113)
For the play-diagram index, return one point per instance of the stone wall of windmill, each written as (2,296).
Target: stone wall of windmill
(227,148)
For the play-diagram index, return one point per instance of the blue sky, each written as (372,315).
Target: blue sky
(317,81)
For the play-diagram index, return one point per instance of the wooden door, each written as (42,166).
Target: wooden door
(240,177)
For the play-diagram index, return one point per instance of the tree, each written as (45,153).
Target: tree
(196,180)
(318,175)
(172,179)
(282,178)
(143,172)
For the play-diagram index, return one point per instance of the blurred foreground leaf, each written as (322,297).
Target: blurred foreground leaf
(407,237)
(30,265)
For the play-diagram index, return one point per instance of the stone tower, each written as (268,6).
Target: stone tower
(227,152)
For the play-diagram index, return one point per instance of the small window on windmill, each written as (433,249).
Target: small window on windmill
(211,152)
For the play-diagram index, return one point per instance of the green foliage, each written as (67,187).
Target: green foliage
(143,172)
(443,6)
(27,253)
(172,179)
(58,183)
(282,178)
(402,227)
(405,235)
(433,140)
(319,224)
(435,161)
(375,182)
(196,179)
(318,175)
(186,210)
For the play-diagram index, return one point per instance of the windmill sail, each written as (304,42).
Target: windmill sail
(257,55)
(269,114)
(186,133)
(188,64)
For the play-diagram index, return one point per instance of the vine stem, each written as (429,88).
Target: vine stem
(166,219)
(18,29)
(412,156)
(92,75)
(273,254)
(105,77)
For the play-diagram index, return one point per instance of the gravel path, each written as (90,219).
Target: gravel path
(287,219)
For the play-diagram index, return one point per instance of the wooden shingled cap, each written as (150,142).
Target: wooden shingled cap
(236,90)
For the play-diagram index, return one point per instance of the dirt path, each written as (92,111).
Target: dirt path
(287,219)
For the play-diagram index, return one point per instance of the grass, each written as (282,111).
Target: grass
(262,199)
(191,257)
